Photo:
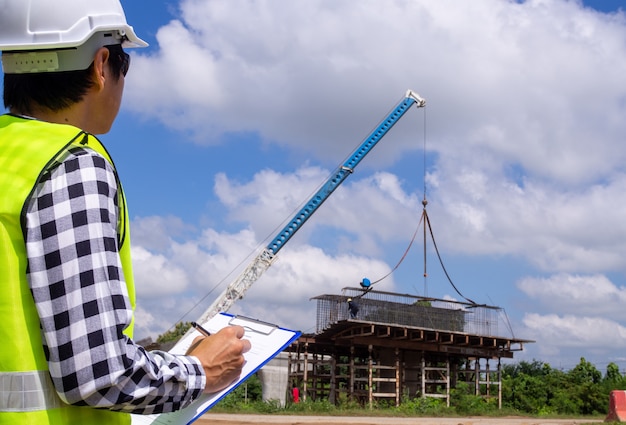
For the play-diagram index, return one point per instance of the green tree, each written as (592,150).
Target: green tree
(585,386)
(585,372)
(612,373)
(613,379)
(534,368)
(525,386)
(525,393)
(560,399)
(535,387)
(174,334)
(249,391)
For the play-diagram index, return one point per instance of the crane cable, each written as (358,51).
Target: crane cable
(426,220)
(420,221)
(432,237)
(403,255)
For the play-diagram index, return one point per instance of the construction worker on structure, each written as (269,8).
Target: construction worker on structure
(68,296)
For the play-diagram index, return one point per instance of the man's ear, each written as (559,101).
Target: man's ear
(100,71)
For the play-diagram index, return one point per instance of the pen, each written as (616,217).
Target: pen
(201,329)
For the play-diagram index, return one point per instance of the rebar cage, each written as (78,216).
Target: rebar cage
(406,310)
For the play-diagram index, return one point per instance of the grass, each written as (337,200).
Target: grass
(411,408)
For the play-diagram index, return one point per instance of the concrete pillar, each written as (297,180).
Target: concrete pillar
(274,378)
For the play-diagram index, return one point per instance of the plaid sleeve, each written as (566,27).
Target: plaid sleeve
(77,282)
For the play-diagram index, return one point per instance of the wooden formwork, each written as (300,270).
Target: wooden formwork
(393,352)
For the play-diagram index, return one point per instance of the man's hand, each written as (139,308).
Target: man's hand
(221,356)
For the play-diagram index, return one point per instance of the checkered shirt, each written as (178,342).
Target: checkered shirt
(77,281)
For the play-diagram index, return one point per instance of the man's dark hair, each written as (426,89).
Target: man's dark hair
(54,90)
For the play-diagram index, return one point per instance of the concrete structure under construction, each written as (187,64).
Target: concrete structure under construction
(389,347)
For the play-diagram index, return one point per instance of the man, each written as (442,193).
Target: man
(68,296)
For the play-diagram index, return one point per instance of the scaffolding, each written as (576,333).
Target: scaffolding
(387,347)
(407,310)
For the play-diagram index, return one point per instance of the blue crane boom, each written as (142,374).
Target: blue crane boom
(261,262)
(344,171)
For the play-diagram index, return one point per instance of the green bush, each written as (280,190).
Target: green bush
(536,388)
(467,403)
(528,388)
(426,406)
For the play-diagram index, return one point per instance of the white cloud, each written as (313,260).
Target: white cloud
(530,81)
(556,229)
(174,277)
(270,197)
(555,332)
(575,315)
(524,118)
(576,294)
(524,108)
(155,268)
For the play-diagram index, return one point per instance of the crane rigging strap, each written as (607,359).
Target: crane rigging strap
(408,248)
(432,236)
(424,218)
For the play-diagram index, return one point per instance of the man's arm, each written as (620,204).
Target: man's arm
(78,285)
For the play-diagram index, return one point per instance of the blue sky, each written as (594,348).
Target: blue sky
(239,109)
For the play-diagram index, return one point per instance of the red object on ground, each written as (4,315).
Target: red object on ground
(295,393)
(617,407)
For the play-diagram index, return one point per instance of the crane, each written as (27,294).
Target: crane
(236,290)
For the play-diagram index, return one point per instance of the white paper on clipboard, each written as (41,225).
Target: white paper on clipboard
(266,340)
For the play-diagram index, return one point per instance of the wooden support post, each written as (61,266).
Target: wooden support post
(499,384)
(314,376)
(370,377)
(477,376)
(448,381)
(398,375)
(423,373)
(305,378)
(332,396)
(488,378)
(351,372)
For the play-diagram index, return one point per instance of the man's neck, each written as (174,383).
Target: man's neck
(64,116)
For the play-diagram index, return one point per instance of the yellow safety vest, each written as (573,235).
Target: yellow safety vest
(27,396)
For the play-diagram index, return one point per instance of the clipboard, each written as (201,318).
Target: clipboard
(267,341)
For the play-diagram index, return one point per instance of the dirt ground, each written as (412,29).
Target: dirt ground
(227,419)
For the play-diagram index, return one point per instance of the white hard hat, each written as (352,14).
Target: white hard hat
(62,35)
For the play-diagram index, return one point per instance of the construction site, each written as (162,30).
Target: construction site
(372,347)
(380,347)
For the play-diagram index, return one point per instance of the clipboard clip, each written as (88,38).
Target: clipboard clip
(254,325)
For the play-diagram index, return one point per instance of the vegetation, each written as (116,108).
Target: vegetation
(174,334)
(528,388)
(537,388)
